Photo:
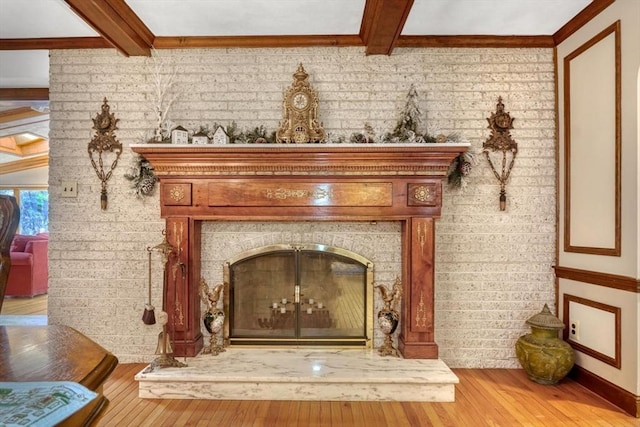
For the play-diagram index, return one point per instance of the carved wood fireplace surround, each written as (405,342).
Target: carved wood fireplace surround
(310,182)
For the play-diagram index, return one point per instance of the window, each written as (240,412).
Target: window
(34,209)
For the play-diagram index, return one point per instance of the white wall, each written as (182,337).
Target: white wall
(627,264)
(493,268)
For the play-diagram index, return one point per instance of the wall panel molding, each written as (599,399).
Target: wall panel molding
(614,281)
(590,127)
(616,311)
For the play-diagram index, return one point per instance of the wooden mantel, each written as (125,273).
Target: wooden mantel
(319,182)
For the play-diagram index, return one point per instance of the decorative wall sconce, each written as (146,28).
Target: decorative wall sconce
(103,143)
(500,140)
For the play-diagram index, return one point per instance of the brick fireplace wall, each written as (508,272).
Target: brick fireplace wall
(493,268)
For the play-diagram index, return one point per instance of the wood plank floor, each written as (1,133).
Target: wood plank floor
(484,397)
(30,306)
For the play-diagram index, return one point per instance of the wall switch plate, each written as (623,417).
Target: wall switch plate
(69,189)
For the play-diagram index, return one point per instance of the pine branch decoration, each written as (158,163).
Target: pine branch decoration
(143,178)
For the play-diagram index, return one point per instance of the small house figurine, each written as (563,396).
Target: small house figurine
(220,136)
(179,135)
(200,138)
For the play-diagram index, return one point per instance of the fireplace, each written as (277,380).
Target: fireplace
(302,295)
(309,182)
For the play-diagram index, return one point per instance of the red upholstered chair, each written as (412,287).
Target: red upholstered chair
(29,274)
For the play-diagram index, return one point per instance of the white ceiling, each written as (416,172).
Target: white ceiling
(490,17)
(249,17)
(54,18)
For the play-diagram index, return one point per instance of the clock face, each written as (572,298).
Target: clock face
(300,101)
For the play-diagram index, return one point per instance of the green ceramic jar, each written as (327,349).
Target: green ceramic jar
(545,357)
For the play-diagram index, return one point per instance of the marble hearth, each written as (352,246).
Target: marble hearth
(306,183)
(302,374)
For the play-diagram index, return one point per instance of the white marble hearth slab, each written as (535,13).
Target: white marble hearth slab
(302,374)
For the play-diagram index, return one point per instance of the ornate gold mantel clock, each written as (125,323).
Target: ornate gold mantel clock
(300,121)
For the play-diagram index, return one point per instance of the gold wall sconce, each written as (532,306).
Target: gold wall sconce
(500,142)
(102,146)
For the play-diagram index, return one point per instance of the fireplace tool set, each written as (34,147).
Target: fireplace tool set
(148,316)
(163,349)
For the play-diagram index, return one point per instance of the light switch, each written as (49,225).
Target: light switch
(69,189)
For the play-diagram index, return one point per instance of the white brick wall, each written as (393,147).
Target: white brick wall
(493,269)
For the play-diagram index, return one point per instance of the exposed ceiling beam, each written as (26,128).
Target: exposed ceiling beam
(24,94)
(117,23)
(382,24)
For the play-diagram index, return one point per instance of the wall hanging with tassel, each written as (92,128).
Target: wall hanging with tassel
(102,146)
(500,142)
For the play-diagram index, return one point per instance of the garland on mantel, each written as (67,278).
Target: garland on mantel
(407,130)
(143,178)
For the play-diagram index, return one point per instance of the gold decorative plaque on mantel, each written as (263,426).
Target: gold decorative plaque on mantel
(176,194)
(300,124)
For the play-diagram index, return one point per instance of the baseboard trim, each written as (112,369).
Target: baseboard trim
(627,401)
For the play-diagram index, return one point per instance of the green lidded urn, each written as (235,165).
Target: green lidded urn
(546,358)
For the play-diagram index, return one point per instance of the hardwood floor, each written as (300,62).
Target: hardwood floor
(35,305)
(484,397)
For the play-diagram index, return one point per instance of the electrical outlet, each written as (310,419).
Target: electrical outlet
(69,189)
(574,330)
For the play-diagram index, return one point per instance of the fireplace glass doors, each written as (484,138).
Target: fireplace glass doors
(311,295)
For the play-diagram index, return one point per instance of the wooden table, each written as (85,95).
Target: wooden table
(56,353)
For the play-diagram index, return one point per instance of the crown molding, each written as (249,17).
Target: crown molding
(24,94)
(476,41)
(255,41)
(24,164)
